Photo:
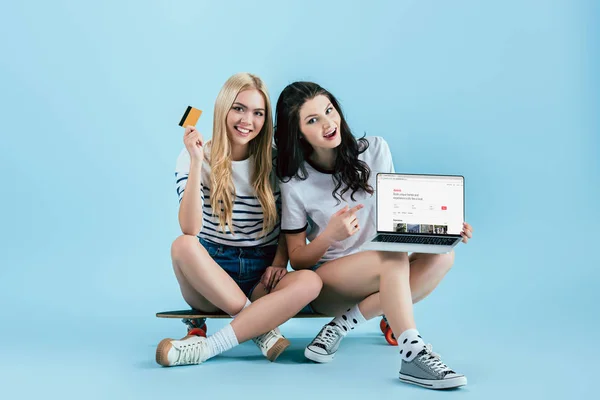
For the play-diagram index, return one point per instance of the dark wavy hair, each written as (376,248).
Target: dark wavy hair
(349,173)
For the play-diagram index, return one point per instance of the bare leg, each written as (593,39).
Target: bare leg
(206,286)
(426,272)
(294,291)
(353,279)
(378,281)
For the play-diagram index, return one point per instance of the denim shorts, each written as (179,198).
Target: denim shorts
(317,265)
(245,265)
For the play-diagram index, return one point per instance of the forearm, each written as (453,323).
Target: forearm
(190,209)
(307,255)
(281,255)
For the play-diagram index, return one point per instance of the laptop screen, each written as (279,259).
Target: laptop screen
(420,204)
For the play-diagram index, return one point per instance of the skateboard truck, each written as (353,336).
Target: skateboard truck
(196,326)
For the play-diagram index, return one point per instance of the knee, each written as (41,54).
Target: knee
(395,263)
(445,261)
(235,304)
(309,284)
(183,247)
(394,259)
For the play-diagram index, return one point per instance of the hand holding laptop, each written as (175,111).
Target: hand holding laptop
(467,232)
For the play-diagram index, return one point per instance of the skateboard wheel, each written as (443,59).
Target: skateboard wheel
(383,325)
(389,336)
(197,332)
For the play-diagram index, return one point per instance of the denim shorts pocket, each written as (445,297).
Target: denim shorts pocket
(213,250)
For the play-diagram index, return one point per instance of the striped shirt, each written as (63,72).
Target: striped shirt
(247,213)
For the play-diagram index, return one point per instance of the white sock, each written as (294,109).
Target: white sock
(349,319)
(410,344)
(248,302)
(221,341)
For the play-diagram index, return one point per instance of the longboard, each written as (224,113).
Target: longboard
(196,321)
(195,314)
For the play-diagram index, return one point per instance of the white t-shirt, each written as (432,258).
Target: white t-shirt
(247,212)
(309,204)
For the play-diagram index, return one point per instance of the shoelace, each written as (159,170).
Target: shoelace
(433,360)
(190,353)
(263,339)
(327,335)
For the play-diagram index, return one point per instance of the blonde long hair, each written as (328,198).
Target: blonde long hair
(222,189)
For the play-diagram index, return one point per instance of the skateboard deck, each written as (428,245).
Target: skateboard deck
(194,314)
(196,321)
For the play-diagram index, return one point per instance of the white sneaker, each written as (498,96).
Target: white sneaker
(272,344)
(189,350)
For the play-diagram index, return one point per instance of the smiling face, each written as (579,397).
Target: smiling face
(320,123)
(246,117)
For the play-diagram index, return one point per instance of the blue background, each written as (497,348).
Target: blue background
(504,93)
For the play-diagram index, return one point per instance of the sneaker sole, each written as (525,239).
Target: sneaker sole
(316,357)
(278,348)
(162,350)
(435,384)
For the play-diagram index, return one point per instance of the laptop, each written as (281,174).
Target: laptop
(418,213)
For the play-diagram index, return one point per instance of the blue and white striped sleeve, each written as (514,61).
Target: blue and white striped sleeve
(180,182)
(182,171)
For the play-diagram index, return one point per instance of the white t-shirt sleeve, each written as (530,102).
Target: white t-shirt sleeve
(182,171)
(293,215)
(386,157)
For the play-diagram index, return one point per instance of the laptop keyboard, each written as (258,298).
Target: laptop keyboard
(414,239)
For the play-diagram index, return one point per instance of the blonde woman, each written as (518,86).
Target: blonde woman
(230,257)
